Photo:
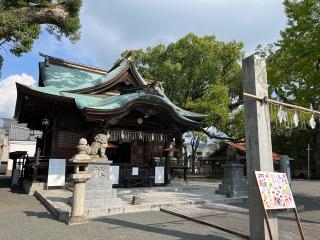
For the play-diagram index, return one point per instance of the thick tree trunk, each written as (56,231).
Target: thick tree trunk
(56,14)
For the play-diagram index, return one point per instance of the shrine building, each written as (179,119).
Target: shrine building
(74,101)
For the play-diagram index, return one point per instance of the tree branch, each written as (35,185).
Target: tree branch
(56,14)
(212,135)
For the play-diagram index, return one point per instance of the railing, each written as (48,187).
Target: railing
(17,133)
(144,176)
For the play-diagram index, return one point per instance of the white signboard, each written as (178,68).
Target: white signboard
(56,172)
(159,175)
(114,174)
(135,171)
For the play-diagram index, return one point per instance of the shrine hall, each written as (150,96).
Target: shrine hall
(74,101)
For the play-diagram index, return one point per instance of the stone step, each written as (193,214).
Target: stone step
(101,203)
(99,194)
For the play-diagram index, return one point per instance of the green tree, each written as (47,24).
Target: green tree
(195,139)
(21,20)
(198,73)
(294,64)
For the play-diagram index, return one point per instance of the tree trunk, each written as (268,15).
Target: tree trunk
(56,14)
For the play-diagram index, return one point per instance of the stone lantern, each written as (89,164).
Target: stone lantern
(80,176)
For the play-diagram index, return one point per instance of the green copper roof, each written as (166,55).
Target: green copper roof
(61,80)
(66,78)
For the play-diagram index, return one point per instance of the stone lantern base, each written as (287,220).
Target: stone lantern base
(233,183)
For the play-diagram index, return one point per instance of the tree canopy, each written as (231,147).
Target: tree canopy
(198,73)
(294,60)
(294,73)
(21,20)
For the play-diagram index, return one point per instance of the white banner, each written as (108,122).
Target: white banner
(159,175)
(114,177)
(56,172)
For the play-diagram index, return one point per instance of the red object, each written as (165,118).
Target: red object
(171,149)
(242,147)
(110,145)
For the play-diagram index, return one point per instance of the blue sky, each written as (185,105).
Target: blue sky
(110,27)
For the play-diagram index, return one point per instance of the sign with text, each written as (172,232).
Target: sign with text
(159,175)
(135,171)
(275,190)
(56,172)
(115,174)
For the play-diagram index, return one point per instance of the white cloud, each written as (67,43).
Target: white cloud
(110,27)
(8,92)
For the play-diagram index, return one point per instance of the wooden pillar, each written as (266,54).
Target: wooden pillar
(258,143)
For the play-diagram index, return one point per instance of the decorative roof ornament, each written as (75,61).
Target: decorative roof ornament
(295,119)
(312,122)
(130,58)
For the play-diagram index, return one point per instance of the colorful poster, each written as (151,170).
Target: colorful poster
(275,190)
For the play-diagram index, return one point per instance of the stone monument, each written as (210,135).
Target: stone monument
(99,194)
(285,166)
(233,183)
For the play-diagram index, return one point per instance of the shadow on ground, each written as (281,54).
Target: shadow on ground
(39,214)
(155,228)
(5,182)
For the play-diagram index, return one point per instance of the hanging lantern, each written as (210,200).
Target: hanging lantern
(45,122)
(312,122)
(295,119)
(140,120)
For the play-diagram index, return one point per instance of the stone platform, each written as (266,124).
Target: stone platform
(152,199)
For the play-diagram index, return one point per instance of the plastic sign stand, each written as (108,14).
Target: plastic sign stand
(56,173)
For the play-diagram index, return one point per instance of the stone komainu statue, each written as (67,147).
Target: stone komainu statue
(98,147)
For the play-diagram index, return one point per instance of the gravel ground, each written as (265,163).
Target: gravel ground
(24,218)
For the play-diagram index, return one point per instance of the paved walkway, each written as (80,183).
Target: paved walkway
(25,218)
(234,218)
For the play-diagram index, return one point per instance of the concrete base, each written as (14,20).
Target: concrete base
(31,187)
(77,220)
(59,204)
(233,184)
(136,200)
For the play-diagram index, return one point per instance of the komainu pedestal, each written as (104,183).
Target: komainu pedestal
(233,183)
(99,193)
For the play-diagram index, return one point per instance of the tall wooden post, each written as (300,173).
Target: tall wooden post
(258,143)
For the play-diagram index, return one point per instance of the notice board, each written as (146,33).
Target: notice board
(159,175)
(56,172)
(115,174)
(275,190)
